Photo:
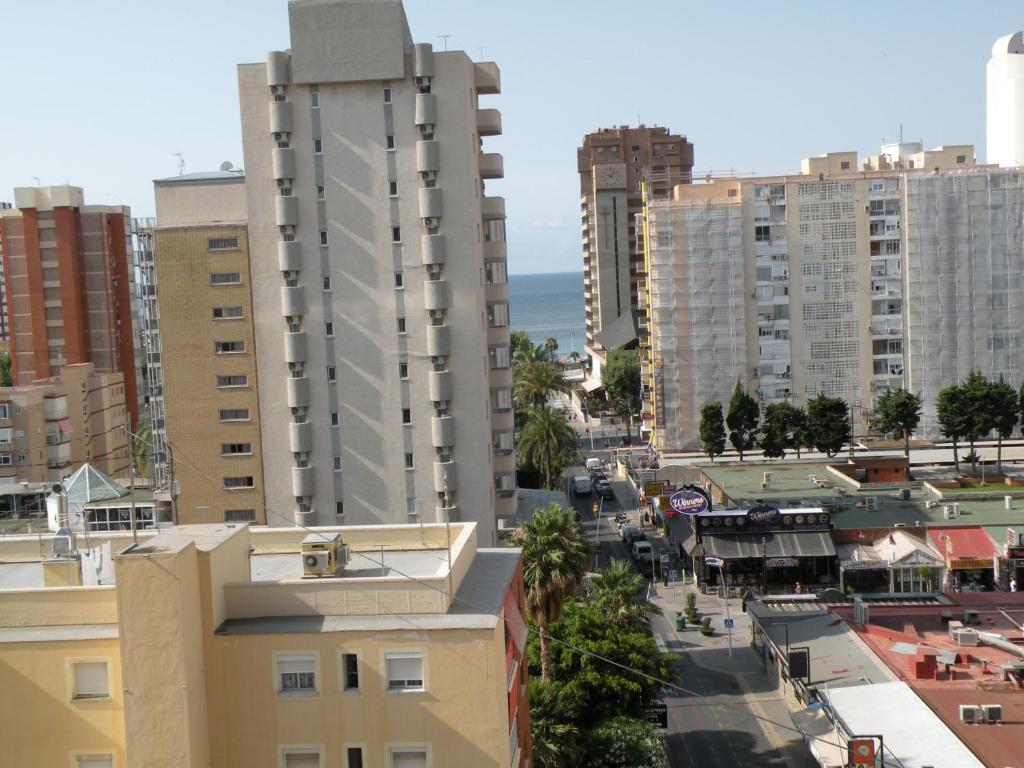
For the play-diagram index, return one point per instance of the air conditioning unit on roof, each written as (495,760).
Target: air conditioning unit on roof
(993,713)
(970,713)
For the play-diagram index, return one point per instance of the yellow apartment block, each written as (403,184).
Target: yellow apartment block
(224,645)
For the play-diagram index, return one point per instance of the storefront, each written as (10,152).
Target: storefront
(971,557)
(896,562)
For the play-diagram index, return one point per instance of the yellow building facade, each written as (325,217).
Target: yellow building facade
(212,649)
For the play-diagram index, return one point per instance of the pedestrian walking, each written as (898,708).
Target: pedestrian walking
(1013,583)
(798,589)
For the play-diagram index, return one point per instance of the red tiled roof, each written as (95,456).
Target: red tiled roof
(970,542)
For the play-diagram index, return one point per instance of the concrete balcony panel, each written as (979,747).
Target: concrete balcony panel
(428,156)
(423,60)
(439,341)
(289,256)
(492,207)
(444,471)
(298,392)
(495,250)
(442,431)
(300,437)
(281,117)
(432,249)
(283,162)
(487,77)
(426,109)
(492,165)
(435,294)
(430,203)
(287,210)
(293,303)
(279,71)
(488,122)
(295,347)
(303,481)
(439,384)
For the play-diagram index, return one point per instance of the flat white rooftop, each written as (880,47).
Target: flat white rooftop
(396,564)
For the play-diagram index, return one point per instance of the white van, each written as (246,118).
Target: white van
(581,485)
(593,463)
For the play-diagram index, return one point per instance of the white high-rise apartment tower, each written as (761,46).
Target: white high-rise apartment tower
(378,274)
(1004,76)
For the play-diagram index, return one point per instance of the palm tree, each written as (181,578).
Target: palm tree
(553,742)
(529,353)
(534,380)
(555,555)
(140,443)
(547,443)
(551,346)
(618,592)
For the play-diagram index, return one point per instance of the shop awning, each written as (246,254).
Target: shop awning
(781,544)
(969,547)
(590,385)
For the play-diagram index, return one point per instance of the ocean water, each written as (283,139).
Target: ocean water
(549,305)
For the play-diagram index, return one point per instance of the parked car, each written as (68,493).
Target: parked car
(643,556)
(631,532)
(581,485)
(593,463)
(603,486)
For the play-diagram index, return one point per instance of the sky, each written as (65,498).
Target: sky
(102,94)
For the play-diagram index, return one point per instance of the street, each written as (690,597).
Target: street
(729,722)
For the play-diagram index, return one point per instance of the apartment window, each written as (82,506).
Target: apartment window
(497,272)
(762,234)
(410,507)
(403,370)
(296,674)
(321,192)
(334,418)
(407,415)
(844,165)
(227,313)
(332,373)
(961,159)
(314,99)
(409,461)
(494,230)
(337,463)
(502,399)
(239,515)
(354,757)
(238,380)
(733,192)
(339,508)
(500,357)
(393,188)
(349,673)
(5,411)
(401,325)
(399,280)
(390,141)
(329,328)
(497,315)
(94,761)
(91,680)
(236,449)
(225,278)
(6,459)
(407,757)
(327,282)
(234,414)
(228,347)
(396,234)
(387,95)
(238,482)
(404,671)
(221,243)
(323,237)
(318,146)
(301,758)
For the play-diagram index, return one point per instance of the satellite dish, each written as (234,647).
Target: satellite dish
(227,165)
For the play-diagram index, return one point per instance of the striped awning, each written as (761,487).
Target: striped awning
(781,544)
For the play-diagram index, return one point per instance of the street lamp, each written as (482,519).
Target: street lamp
(764,568)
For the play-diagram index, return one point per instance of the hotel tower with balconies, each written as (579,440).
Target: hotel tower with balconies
(379,274)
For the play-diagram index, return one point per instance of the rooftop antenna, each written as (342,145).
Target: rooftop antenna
(481,49)
(901,133)
(445,38)
(181,162)
(36,179)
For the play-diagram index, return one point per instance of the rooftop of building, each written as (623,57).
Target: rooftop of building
(235,175)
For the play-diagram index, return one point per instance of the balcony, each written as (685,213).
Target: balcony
(444,476)
(492,207)
(55,408)
(292,301)
(487,78)
(300,437)
(289,256)
(435,294)
(442,431)
(438,340)
(439,384)
(492,165)
(286,210)
(281,118)
(302,481)
(283,161)
(428,156)
(298,392)
(488,122)
(432,249)
(58,455)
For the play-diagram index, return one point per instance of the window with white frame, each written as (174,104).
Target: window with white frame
(354,757)
(296,674)
(301,758)
(6,459)
(91,680)
(407,757)
(5,410)
(404,671)
(94,761)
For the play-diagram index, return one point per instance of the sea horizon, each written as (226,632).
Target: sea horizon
(549,305)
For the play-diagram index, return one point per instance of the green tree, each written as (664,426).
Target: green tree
(977,416)
(950,407)
(593,689)
(555,555)
(898,412)
(141,443)
(6,376)
(742,420)
(828,424)
(624,742)
(799,429)
(547,443)
(521,345)
(712,430)
(776,434)
(533,381)
(619,592)
(551,346)
(620,378)
(554,741)
(1003,405)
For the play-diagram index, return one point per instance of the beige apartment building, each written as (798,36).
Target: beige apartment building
(612,163)
(220,646)
(208,348)
(50,427)
(379,267)
(818,283)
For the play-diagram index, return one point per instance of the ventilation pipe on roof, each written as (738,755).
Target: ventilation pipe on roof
(998,641)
